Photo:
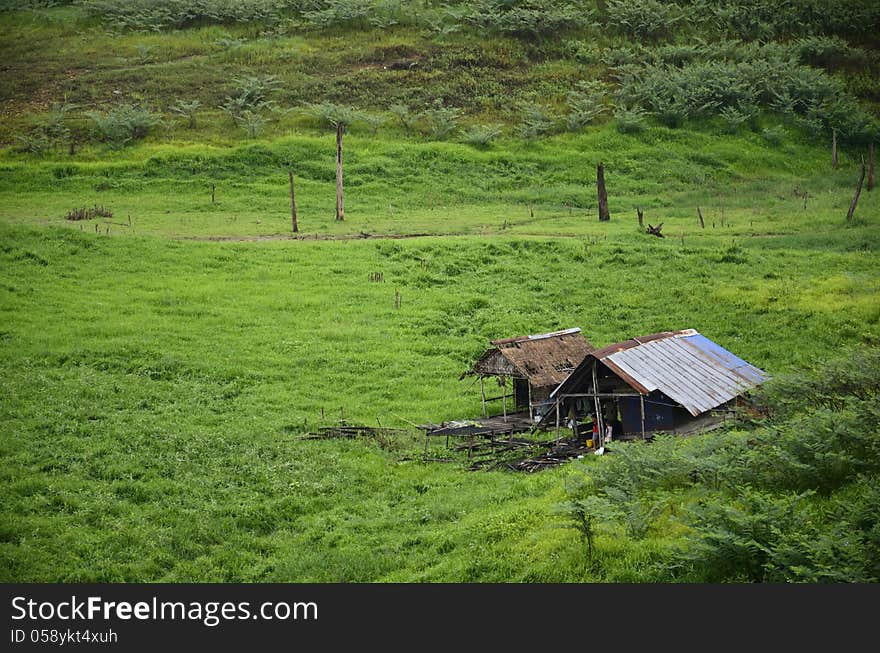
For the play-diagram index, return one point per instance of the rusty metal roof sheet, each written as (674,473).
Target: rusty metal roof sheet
(545,359)
(686,366)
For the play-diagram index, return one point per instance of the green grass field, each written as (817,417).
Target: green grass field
(159,367)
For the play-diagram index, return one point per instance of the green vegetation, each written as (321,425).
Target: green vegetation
(161,358)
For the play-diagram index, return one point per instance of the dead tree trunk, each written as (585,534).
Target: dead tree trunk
(700,216)
(870,166)
(641,218)
(603,196)
(340,211)
(292,205)
(834,162)
(852,207)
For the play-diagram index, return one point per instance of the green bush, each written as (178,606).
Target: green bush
(442,121)
(643,19)
(481,135)
(124,124)
(630,120)
(155,15)
(535,120)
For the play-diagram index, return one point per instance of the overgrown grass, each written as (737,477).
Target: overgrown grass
(153,392)
(153,387)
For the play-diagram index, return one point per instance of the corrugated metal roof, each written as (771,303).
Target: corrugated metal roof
(686,366)
(545,359)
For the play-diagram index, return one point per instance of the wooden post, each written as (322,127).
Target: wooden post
(700,216)
(852,207)
(340,211)
(870,166)
(600,418)
(531,414)
(641,218)
(427,437)
(292,204)
(483,397)
(557,416)
(603,196)
(642,406)
(834,162)
(504,396)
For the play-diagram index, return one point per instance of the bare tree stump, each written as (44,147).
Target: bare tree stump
(855,201)
(340,210)
(604,216)
(293,222)
(700,216)
(834,162)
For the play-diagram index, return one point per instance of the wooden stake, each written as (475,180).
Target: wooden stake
(340,211)
(852,207)
(292,204)
(834,162)
(483,397)
(213,188)
(641,218)
(604,216)
(700,216)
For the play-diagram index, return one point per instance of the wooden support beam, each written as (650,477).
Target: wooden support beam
(599,417)
(642,406)
(504,396)
(557,418)
(531,411)
(483,397)
(602,395)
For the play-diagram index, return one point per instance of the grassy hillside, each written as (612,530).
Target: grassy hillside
(159,367)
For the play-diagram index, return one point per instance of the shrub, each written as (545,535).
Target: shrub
(535,121)
(155,15)
(332,115)
(442,121)
(736,116)
(187,110)
(481,135)
(124,124)
(642,20)
(630,121)
(774,135)
(252,122)
(407,119)
(529,18)
(585,104)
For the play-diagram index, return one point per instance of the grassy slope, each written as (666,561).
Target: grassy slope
(153,390)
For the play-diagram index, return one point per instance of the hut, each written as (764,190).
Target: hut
(674,381)
(535,365)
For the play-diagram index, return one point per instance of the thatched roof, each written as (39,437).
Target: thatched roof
(545,360)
